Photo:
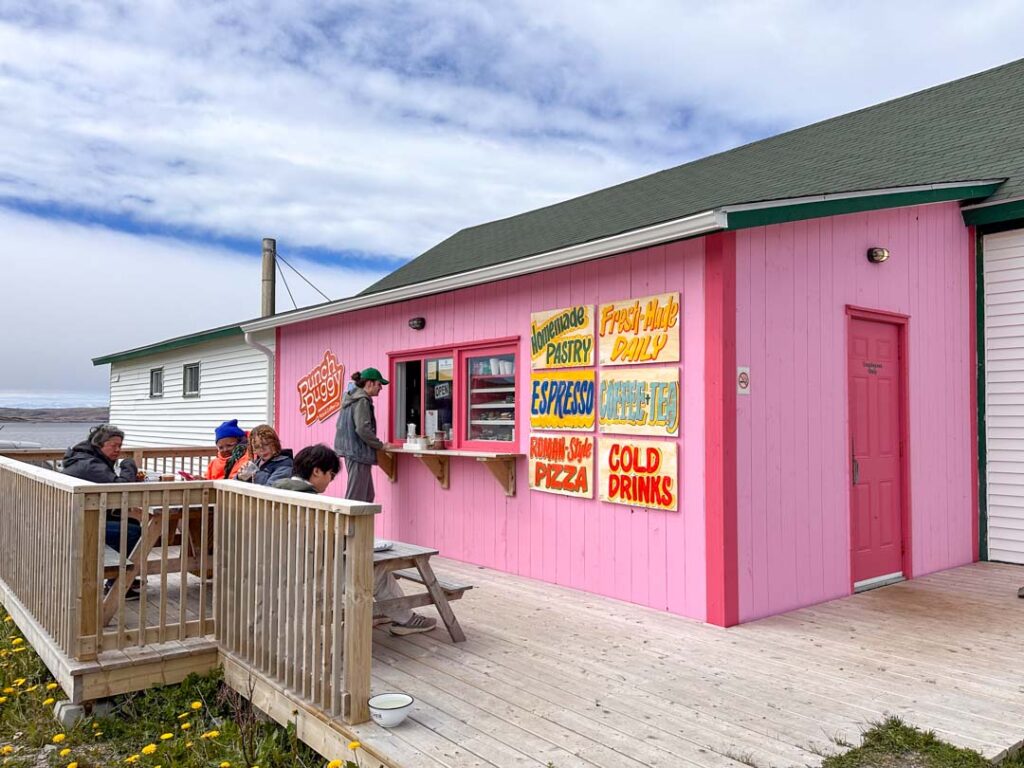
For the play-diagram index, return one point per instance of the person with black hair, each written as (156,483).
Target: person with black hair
(313,469)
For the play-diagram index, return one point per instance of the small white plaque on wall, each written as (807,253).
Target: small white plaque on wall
(743,380)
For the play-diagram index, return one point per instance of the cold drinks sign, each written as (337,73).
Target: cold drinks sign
(638,473)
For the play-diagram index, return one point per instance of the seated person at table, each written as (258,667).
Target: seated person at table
(93,459)
(314,468)
(227,437)
(271,463)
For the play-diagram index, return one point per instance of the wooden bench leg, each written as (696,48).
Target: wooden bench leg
(440,600)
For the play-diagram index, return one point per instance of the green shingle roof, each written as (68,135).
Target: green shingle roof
(966,130)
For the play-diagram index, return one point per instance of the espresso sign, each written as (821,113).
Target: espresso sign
(638,473)
(562,464)
(562,400)
(320,389)
(639,401)
(562,338)
(644,330)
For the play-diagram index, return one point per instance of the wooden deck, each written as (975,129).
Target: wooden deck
(551,674)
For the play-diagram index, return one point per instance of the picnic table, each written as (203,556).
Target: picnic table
(412,563)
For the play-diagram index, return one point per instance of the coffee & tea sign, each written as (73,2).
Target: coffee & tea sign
(640,401)
(320,389)
(644,330)
(562,464)
(638,473)
(562,338)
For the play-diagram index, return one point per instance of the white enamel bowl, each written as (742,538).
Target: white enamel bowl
(390,709)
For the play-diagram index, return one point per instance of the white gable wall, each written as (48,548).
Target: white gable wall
(233,383)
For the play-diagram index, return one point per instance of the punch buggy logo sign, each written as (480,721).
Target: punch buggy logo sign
(320,389)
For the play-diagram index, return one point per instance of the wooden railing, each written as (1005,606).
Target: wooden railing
(190,458)
(295,592)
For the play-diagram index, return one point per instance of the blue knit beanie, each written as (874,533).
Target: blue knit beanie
(229,429)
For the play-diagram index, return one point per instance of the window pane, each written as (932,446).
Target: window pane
(407,398)
(156,382)
(492,397)
(438,402)
(191,376)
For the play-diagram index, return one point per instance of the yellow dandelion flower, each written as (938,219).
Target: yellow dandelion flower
(19,682)
(58,738)
(3,699)
(65,752)
(8,689)
(132,759)
(149,749)
(186,726)
(210,735)
(73,764)
(17,641)
(354,745)
(49,701)
(97,734)
(9,620)
(19,650)
(6,749)
(188,744)
(29,690)
(183,715)
(225,764)
(196,705)
(166,736)
(334,764)
(52,686)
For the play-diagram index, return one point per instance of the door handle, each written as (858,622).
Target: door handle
(856,471)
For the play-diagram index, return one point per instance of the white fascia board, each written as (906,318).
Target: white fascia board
(689,226)
(788,201)
(990,203)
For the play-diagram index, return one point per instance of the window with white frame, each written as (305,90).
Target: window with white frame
(156,382)
(190,380)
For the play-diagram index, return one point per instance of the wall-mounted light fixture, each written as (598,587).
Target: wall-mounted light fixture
(878,255)
(417,323)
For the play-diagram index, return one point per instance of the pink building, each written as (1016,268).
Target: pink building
(726,390)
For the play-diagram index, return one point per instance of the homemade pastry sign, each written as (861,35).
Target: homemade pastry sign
(635,331)
(562,338)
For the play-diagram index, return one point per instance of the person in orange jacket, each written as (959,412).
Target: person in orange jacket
(230,439)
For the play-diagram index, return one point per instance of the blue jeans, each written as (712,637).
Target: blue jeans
(113,535)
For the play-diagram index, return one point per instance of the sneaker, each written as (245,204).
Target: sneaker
(378,620)
(414,625)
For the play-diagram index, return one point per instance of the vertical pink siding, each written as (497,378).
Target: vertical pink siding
(794,282)
(649,557)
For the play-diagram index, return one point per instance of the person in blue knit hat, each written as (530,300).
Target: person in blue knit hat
(227,437)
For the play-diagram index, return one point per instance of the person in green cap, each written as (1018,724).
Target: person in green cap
(356,439)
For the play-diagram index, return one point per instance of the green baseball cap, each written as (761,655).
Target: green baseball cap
(372,374)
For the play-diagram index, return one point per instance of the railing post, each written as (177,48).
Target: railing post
(83,645)
(358,627)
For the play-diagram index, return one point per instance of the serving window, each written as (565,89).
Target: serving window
(467,393)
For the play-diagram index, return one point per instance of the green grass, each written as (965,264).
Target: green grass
(207,724)
(893,744)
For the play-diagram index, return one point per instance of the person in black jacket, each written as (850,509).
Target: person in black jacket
(94,459)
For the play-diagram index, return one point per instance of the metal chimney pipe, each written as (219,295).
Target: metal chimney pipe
(268,287)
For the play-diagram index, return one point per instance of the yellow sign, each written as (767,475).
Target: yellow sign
(562,400)
(644,330)
(562,338)
(562,464)
(638,473)
(639,401)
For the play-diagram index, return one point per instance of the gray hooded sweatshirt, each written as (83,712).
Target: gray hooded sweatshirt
(356,435)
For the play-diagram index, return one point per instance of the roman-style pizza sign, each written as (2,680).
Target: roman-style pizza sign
(640,401)
(562,464)
(562,338)
(638,473)
(644,330)
(320,389)
(562,400)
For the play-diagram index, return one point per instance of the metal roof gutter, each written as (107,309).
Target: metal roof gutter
(689,226)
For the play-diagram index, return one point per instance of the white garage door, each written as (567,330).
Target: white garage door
(1004,393)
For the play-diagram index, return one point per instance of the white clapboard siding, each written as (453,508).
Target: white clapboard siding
(1004,394)
(234,379)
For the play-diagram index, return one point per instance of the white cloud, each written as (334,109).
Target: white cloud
(71,293)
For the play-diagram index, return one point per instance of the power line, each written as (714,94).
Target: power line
(293,269)
(281,272)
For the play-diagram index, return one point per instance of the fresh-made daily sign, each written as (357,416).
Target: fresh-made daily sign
(562,464)
(638,473)
(562,400)
(562,338)
(644,330)
(320,389)
(639,401)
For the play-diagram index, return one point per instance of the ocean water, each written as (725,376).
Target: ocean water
(10,399)
(47,434)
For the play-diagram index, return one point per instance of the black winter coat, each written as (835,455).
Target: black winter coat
(86,462)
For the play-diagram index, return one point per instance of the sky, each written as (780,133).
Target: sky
(146,147)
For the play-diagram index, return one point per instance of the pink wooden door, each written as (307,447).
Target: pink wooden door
(876,535)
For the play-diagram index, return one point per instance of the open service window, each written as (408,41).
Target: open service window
(467,394)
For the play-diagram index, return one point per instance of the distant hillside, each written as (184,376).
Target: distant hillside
(95,415)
